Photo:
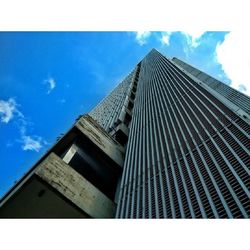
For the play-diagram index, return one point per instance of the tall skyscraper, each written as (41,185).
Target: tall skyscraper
(168,142)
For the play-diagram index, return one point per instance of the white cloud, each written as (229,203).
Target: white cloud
(33,143)
(8,109)
(142,36)
(234,56)
(193,37)
(51,84)
(29,143)
(165,38)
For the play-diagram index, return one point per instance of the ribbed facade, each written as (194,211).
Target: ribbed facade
(107,112)
(187,154)
(239,99)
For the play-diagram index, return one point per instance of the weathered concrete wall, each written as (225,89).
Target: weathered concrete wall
(75,187)
(101,138)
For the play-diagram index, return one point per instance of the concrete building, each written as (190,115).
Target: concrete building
(168,142)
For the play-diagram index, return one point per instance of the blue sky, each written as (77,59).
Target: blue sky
(47,79)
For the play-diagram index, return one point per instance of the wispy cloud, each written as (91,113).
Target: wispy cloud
(234,56)
(8,109)
(33,144)
(142,36)
(193,37)
(192,40)
(30,142)
(51,84)
(165,37)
